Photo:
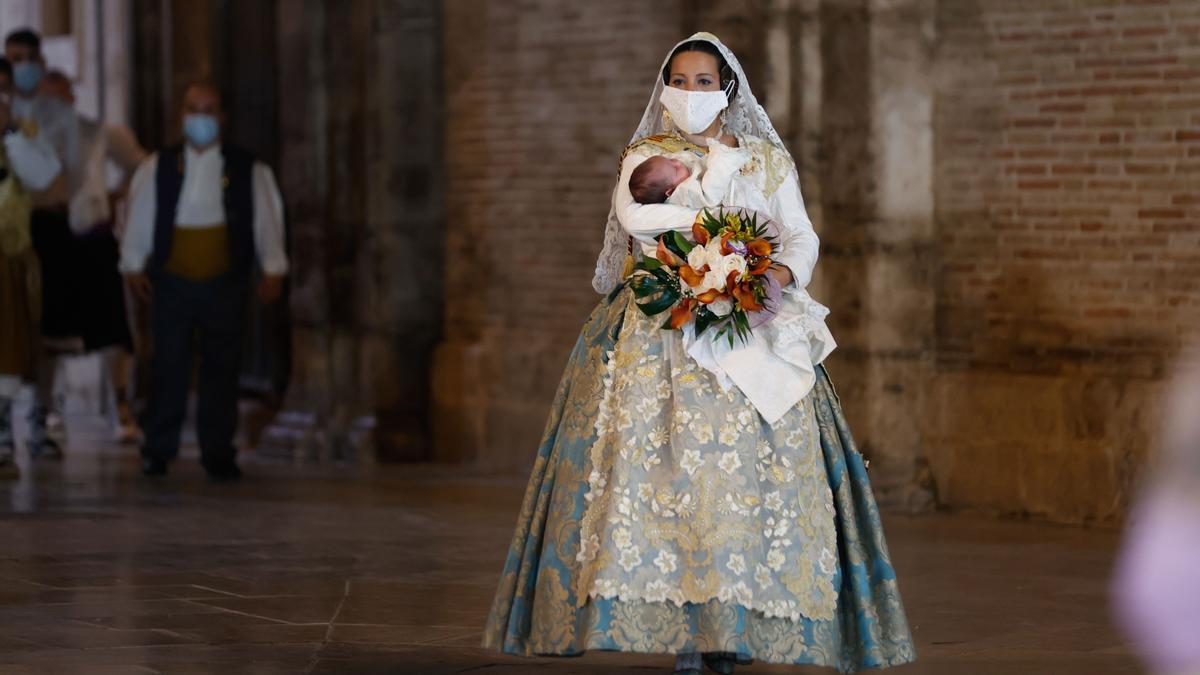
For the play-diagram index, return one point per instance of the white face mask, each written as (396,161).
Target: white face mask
(693,111)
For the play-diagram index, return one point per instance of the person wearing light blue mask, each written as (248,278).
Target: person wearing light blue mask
(203,217)
(63,289)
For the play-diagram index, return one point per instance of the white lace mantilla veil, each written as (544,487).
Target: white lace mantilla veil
(744,116)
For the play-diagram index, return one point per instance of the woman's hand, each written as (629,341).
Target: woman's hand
(781,274)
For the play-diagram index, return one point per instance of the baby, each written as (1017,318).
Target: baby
(686,180)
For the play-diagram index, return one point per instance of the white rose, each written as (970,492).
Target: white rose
(713,250)
(733,263)
(697,257)
(713,279)
(721,307)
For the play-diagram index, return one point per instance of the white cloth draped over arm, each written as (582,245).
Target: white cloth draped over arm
(33,160)
(138,241)
(644,222)
(798,246)
(721,165)
(268,222)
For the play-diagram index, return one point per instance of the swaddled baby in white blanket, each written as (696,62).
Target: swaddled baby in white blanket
(777,366)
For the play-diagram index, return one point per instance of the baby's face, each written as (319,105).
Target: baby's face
(671,171)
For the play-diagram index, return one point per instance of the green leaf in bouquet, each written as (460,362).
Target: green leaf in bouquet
(660,304)
(650,264)
(656,291)
(667,278)
(741,323)
(678,244)
(710,222)
(704,319)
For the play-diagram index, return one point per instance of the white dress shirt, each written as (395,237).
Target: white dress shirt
(776,368)
(202,204)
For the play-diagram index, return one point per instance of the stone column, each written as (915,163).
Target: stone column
(360,125)
(849,90)
(901,247)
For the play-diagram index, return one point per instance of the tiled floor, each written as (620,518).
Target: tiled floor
(392,571)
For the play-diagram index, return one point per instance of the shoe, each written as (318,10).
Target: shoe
(45,448)
(41,444)
(720,662)
(128,434)
(224,472)
(54,424)
(153,467)
(687,664)
(127,431)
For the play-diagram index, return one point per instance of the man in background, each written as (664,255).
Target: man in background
(202,216)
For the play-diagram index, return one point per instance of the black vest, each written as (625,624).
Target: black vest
(238,192)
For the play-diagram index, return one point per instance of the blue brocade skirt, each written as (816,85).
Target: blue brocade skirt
(547,602)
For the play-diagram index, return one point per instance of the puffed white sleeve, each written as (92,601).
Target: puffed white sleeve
(268,222)
(33,160)
(798,246)
(137,243)
(644,222)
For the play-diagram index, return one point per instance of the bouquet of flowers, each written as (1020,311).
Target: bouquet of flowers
(719,280)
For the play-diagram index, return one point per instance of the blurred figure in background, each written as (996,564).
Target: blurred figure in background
(201,215)
(54,122)
(27,162)
(1157,587)
(93,216)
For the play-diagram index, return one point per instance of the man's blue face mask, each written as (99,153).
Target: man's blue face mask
(201,129)
(27,75)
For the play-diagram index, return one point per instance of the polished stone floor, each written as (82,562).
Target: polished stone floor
(391,570)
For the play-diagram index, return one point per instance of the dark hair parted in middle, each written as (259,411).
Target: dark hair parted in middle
(728,80)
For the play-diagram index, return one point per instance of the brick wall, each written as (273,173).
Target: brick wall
(542,97)
(1067,175)
(1005,191)
(1068,183)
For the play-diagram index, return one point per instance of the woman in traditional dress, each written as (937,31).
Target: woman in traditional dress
(27,162)
(693,500)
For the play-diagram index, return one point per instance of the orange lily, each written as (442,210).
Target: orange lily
(711,296)
(759,247)
(682,313)
(692,276)
(665,256)
(725,250)
(745,297)
(700,234)
(760,268)
(731,280)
